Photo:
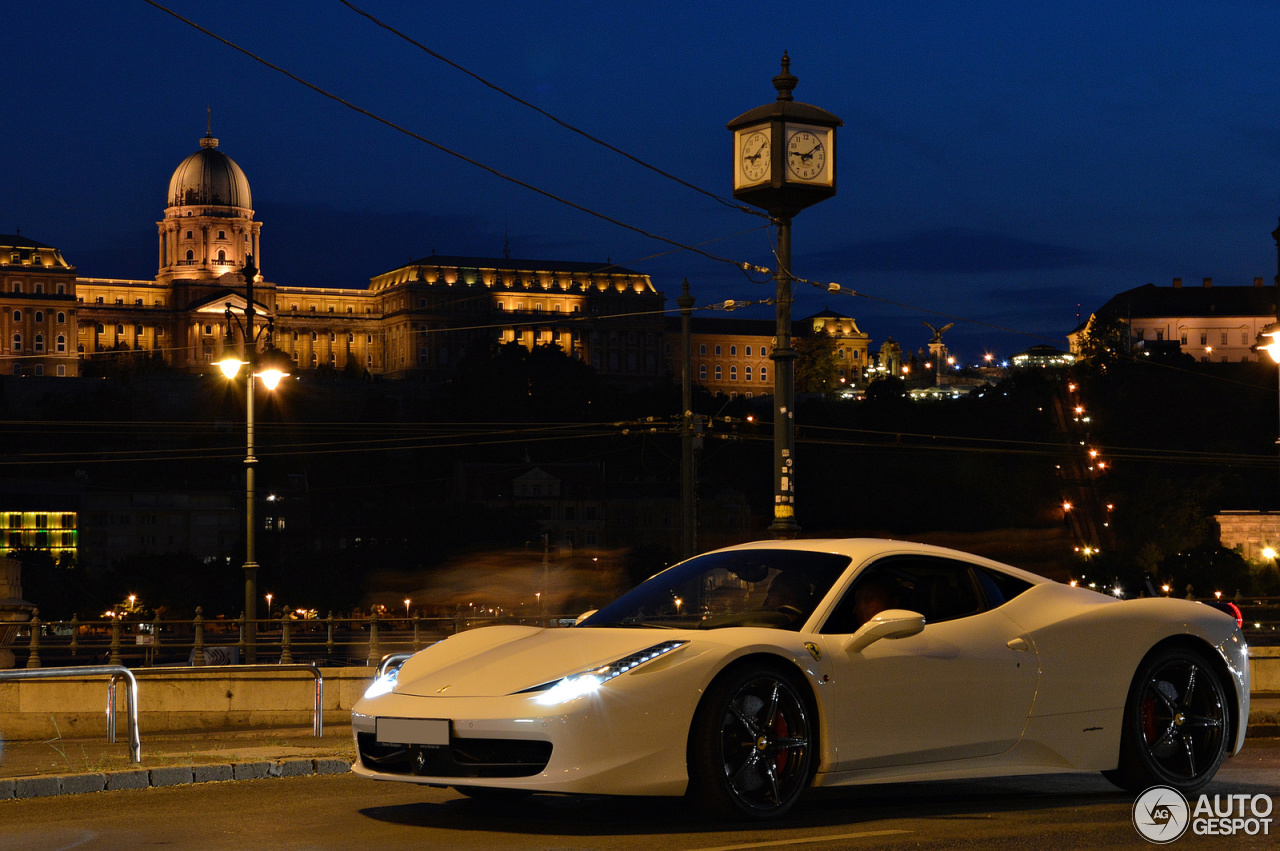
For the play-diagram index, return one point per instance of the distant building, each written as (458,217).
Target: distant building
(1253,534)
(1042,357)
(1213,324)
(37,309)
(419,319)
(731,356)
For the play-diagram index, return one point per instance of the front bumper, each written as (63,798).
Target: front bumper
(614,741)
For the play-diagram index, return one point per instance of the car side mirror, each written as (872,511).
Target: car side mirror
(582,617)
(891,623)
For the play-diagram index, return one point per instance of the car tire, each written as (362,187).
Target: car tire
(1176,726)
(753,743)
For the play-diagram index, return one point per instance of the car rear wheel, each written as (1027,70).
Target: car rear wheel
(1176,724)
(753,743)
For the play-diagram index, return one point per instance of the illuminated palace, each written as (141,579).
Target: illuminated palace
(416,320)
(419,319)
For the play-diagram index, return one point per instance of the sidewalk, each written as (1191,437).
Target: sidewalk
(34,769)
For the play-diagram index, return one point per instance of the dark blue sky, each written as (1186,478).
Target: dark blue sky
(1000,162)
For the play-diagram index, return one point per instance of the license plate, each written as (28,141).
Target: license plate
(413,731)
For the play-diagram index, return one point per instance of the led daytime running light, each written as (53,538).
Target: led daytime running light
(574,685)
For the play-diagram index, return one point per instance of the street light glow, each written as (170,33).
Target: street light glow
(230,366)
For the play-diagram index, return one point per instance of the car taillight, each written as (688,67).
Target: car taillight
(1235,610)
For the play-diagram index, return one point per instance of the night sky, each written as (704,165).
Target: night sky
(1011,165)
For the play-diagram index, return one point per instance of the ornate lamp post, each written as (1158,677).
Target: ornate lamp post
(784,160)
(270,366)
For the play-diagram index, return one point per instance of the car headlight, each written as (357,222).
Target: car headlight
(384,684)
(586,682)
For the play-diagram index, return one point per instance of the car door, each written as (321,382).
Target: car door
(961,688)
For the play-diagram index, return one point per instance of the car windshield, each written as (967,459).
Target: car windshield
(776,588)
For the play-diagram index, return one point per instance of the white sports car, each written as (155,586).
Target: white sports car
(743,676)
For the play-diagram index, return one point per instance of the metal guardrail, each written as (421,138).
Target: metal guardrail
(330,640)
(317,713)
(387,661)
(116,672)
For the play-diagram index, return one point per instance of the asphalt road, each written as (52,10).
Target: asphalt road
(322,812)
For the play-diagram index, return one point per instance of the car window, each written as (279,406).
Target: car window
(941,589)
(999,587)
(762,587)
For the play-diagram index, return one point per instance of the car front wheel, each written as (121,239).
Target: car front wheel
(1175,724)
(752,749)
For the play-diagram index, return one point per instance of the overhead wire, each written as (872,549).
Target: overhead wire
(441,147)
(394,31)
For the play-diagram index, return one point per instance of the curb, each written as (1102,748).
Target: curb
(53,785)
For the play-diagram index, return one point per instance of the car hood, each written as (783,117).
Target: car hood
(503,660)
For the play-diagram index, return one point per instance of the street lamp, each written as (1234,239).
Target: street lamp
(271,365)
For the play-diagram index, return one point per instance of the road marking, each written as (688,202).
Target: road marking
(782,842)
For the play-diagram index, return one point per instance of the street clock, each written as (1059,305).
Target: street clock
(784,152)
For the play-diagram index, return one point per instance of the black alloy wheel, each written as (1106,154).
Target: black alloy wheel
(753,745)
(1176,724)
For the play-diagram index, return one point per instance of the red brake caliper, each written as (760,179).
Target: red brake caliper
(1149,719)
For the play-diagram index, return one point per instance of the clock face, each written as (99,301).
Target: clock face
(806,155)
(754,156)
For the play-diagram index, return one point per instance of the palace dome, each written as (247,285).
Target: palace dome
(209,177)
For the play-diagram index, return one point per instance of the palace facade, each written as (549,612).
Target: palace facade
(417,320)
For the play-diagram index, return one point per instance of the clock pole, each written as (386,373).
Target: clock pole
(784,395)
(798,142)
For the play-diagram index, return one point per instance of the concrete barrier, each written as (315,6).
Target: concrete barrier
(204,699)
(1264,669)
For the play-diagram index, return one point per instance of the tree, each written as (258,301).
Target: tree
(1207,568)
(816,368)
(1104,339)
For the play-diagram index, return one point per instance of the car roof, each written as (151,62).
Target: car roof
(863,550)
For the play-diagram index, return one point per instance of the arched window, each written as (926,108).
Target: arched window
(702,372)
(733,373)
(17,316)
(62,318)
(17,342)
(191,255)
(39,315)
(746,374)
(314,360)
(222,256)
(764,373)
(719,372)
(61,343)
(733,351)
(39,342)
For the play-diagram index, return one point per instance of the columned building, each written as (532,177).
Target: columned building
(416,320)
